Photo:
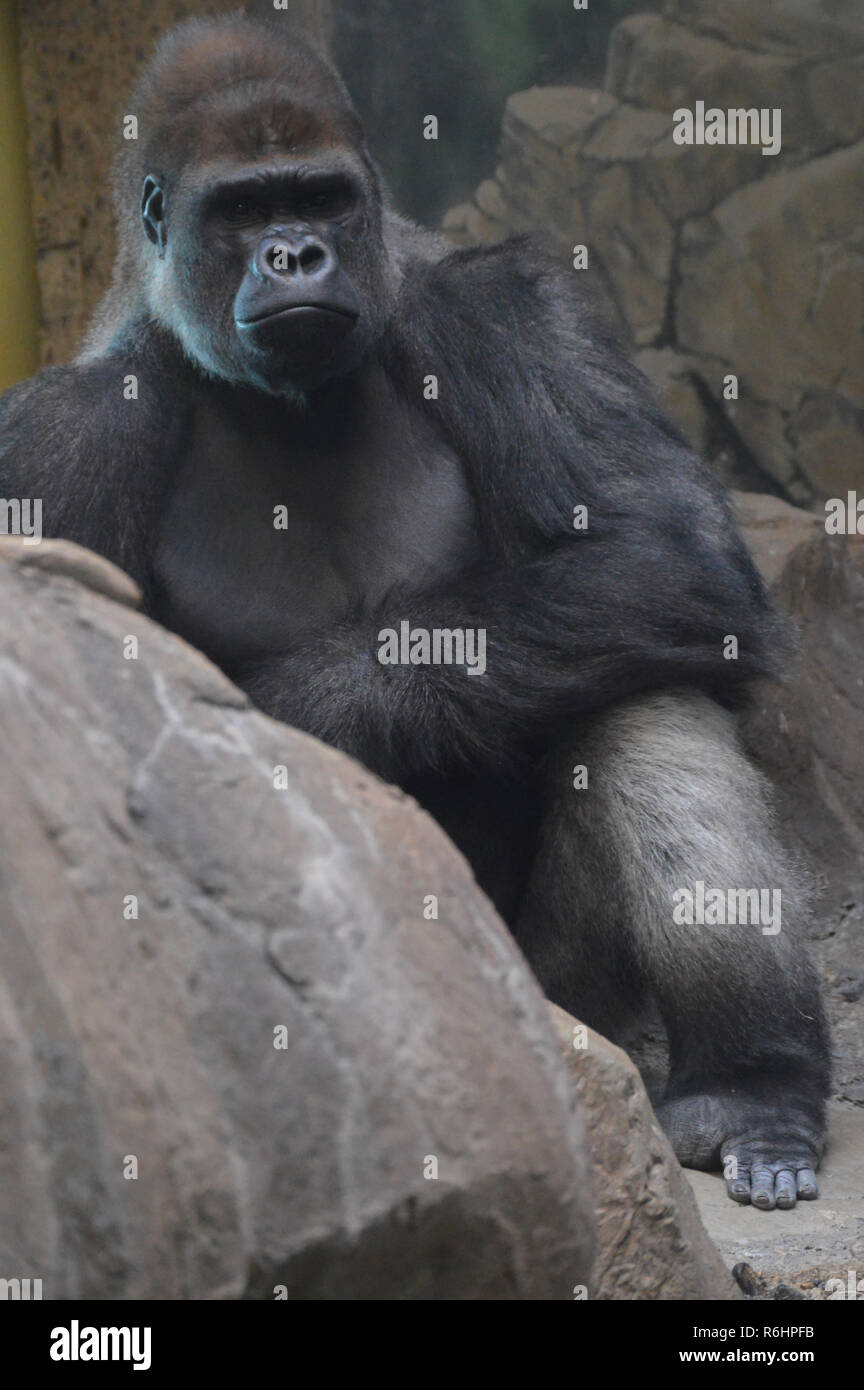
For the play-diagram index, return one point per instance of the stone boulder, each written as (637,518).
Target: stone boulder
(651,1244)
(261,1034)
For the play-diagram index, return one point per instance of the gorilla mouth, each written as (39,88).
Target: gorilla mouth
(308,311)
(300,339)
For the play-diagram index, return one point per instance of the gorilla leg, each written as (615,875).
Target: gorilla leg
(671,802)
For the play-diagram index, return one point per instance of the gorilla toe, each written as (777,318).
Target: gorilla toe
(769,1150)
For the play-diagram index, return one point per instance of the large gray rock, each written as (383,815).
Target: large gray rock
(651,1244)
(168,916)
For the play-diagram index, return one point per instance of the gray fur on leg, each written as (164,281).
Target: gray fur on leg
(671,804)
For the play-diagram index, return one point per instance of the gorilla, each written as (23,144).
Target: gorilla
(347,461)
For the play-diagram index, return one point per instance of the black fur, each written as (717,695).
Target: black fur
(454,512)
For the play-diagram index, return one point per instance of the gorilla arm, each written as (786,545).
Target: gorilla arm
(585,625)
(546,414)
(97,460)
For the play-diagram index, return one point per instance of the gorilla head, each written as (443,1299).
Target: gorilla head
(250,211)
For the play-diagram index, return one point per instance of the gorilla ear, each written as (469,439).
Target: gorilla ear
(153,212)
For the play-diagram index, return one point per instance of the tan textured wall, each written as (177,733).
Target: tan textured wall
(19,296)
(79,62)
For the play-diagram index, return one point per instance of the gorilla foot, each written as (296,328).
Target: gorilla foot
(769,1150)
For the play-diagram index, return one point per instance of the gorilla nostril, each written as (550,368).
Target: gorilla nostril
(311,258)
(280,257)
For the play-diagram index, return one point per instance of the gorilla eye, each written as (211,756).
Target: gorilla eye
(242,210)
(332,201)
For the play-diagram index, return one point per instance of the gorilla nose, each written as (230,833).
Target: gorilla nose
(293,257)
(294,297)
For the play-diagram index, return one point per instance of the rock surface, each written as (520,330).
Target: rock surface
(651,1244)
(807,735)
(715,260)
(823,27)
(787,315)
(169,915)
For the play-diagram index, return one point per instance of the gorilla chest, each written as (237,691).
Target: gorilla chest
(269,538)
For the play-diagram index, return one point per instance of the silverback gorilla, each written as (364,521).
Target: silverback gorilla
(454,445)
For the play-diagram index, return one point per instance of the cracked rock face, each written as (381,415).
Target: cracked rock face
(237,1044)
(714,260)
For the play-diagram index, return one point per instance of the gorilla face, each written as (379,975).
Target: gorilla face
(274,272)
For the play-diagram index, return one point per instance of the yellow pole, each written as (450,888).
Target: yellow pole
(19,293)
